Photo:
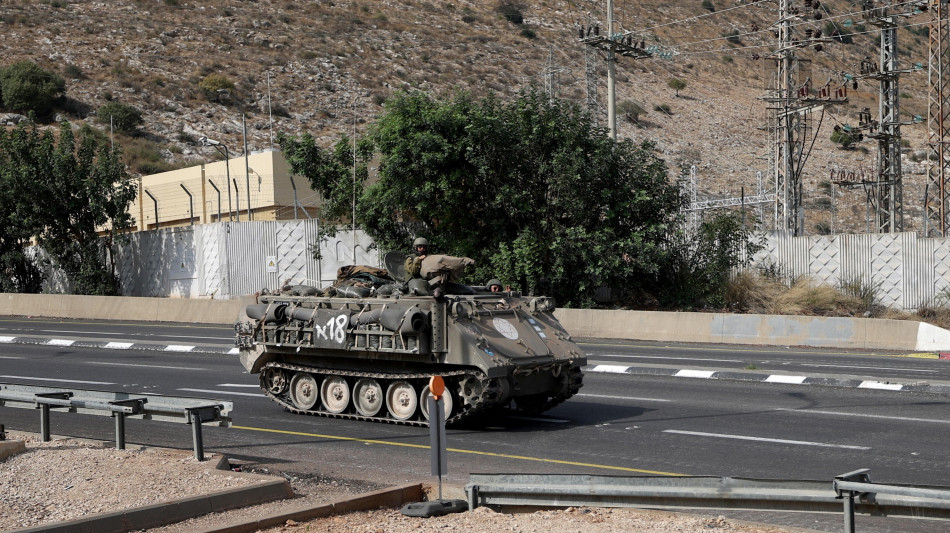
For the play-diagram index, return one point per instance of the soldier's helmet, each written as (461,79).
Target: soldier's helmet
(420,241)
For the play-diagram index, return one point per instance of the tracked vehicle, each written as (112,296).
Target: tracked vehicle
(370,356)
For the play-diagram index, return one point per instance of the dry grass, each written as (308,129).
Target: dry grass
(750,292)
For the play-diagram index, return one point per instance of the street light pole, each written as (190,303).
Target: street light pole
(227,168)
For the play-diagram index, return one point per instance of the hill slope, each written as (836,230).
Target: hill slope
(328,66)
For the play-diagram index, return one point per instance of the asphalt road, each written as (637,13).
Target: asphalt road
(620,423)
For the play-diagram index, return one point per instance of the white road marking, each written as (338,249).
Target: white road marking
(59,342)
(238,385)
(609,369)
(777,378)
(119,345)
(145,366)
(7,339)
(873,368)
(619,356)
(694,373)
(880,386)
(119,333)
(234,351)
(622,398)
(865,415)
(61,380)
(763,439)
(178,348)
(224,392)
(9,357)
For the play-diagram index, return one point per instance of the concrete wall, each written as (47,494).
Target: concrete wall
(823,332)
(826,332)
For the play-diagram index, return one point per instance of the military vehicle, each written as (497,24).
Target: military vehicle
(366,348)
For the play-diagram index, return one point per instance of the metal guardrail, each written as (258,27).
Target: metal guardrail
(119,405)
(538,490)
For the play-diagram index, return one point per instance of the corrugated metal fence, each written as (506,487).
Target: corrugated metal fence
(227,259)
(907,272)
(238,258)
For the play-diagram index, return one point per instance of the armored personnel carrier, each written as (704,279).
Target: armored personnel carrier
(367,347)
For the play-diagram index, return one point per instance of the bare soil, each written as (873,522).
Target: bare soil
(68,479)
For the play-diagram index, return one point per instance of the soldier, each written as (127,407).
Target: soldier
(493,285)
(414,264)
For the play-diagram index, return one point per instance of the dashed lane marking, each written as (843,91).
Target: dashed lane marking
(765,439)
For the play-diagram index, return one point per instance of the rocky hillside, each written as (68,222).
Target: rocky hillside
(327,67)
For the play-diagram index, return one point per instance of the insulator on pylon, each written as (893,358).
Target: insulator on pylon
(580,32)
(816,4)
(818,15)
(755,28)
(643,45)
(817,33)
(818,47)
(596,30)
(755,57)
(923,8)
(855,85)
(775,33)
(807,3)
(837,127)
(808,33)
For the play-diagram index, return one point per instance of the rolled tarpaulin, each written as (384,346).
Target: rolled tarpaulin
(351,291)
(302,313)
(270,313)
(402,319)
(361,319)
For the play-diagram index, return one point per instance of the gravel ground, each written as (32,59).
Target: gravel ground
(66,479)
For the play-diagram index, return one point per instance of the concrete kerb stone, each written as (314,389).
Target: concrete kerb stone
(388,498)
(266,490)
(11,447)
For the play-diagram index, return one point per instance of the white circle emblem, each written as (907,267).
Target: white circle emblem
(506,328)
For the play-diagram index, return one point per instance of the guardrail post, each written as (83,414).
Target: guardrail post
(119,431)
(858,476)
(44,422)
(194,416)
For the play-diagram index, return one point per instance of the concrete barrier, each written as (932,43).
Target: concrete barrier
(780,330)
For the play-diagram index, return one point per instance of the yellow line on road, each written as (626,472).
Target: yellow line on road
(470,452)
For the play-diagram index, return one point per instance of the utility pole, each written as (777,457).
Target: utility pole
(551,81)
(938,150)
(789,104)
(590,75)
(613,44)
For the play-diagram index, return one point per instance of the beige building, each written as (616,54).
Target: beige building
(203,194)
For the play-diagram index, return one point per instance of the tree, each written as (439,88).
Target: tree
(26,87)
(530,189)
(84,188)
(216,87)
(676,84)
(631,110)
(122,117)
(19,213)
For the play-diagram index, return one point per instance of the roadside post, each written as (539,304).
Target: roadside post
(437,456)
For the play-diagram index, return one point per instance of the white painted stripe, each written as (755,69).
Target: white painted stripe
(119,345)
(9,357)
(61,380)
(7,339)
(179,348)
(59,342)
(763,439)
(865,415)
(695,373)
(610,369)
(537,419)
(631,356)
(874,368)
(225,392)
(880,386)
(238,385)
(234,351)
(622,398)
(146,366)
(776,378)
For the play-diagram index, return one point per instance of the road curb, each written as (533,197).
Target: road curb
(390,498)
(763,377)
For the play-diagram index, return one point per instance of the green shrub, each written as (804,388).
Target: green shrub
(123,117)
(708,6)
(215,85)
(845,138)
(26,87)
(528,33)
(511,10)
(631,110)
(732,37)
(74,72)
(663,108)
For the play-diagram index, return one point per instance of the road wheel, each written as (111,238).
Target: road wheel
(368,397)
(335,394)
(274,381)
(447,403)
(303,391)
(401,400)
